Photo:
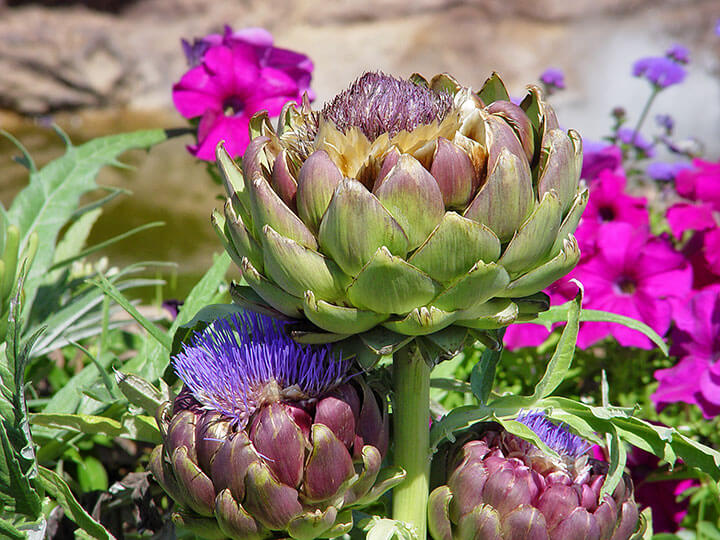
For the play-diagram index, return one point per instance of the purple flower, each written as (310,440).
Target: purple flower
(665,121)
(633,138)
(695,378)
(717,27)
(660,71)
(553,79)
(238,364)
(665,172)
(679,54)
(633,274)
(556,437)
(599,156)
(232,77)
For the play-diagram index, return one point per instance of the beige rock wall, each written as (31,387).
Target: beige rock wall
(54,59)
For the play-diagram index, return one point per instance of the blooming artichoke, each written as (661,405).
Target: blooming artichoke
(413,205)
(268,435)
(500,487)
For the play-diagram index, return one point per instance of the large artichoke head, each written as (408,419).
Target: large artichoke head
(496,486)
(413,205)
(268,436)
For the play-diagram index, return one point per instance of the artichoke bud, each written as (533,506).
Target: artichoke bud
(362,189)
(495,485)
(268,435)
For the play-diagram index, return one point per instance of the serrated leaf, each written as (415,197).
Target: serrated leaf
(53,194)
(56,487)
(559,313)
(665,442)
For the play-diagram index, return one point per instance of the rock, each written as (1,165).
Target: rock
(127,53)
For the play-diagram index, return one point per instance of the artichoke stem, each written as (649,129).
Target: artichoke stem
(411,421)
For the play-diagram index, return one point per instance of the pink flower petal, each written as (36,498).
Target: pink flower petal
(232,129)
(195,93)
(683,217)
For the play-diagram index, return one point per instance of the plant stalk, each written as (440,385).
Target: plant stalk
(411,425)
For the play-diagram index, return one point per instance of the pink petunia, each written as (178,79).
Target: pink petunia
(233,77)
(695,378)
(700,183)
(632,274)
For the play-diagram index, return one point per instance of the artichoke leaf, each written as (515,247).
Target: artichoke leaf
(533,240)
(479,285)
(272,294)
(356,225)
(296,268)
(468,241)
(421,321)
(339,319)
(389,284)
(546,274)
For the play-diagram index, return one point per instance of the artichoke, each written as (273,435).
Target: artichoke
(500,487)
(267,435)
(409,204)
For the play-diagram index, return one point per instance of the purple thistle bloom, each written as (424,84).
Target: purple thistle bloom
(557,437)
(235,366)
(660,71)
(665,121)
(377,103)
(665,172)
(679,54)
(553,79)
(631,137)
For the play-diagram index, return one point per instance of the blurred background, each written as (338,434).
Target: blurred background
(105,66)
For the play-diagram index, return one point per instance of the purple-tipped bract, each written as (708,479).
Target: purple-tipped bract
(377,103)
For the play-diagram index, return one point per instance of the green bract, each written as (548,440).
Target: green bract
(413,205)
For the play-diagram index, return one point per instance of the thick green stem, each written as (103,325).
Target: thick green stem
(411,428)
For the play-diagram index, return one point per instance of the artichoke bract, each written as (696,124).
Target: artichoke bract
(409,204)
(268,435)
(497,486)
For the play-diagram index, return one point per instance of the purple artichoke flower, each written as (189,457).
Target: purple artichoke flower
(269,435)
(500,487)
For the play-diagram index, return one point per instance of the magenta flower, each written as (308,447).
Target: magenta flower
(660,71)
(701,183)
(599,156)
(233,77)
(633,274)
(695,378)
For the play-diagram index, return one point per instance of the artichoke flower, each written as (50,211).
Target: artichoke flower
(267,435)
(409,204)
(500,487)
